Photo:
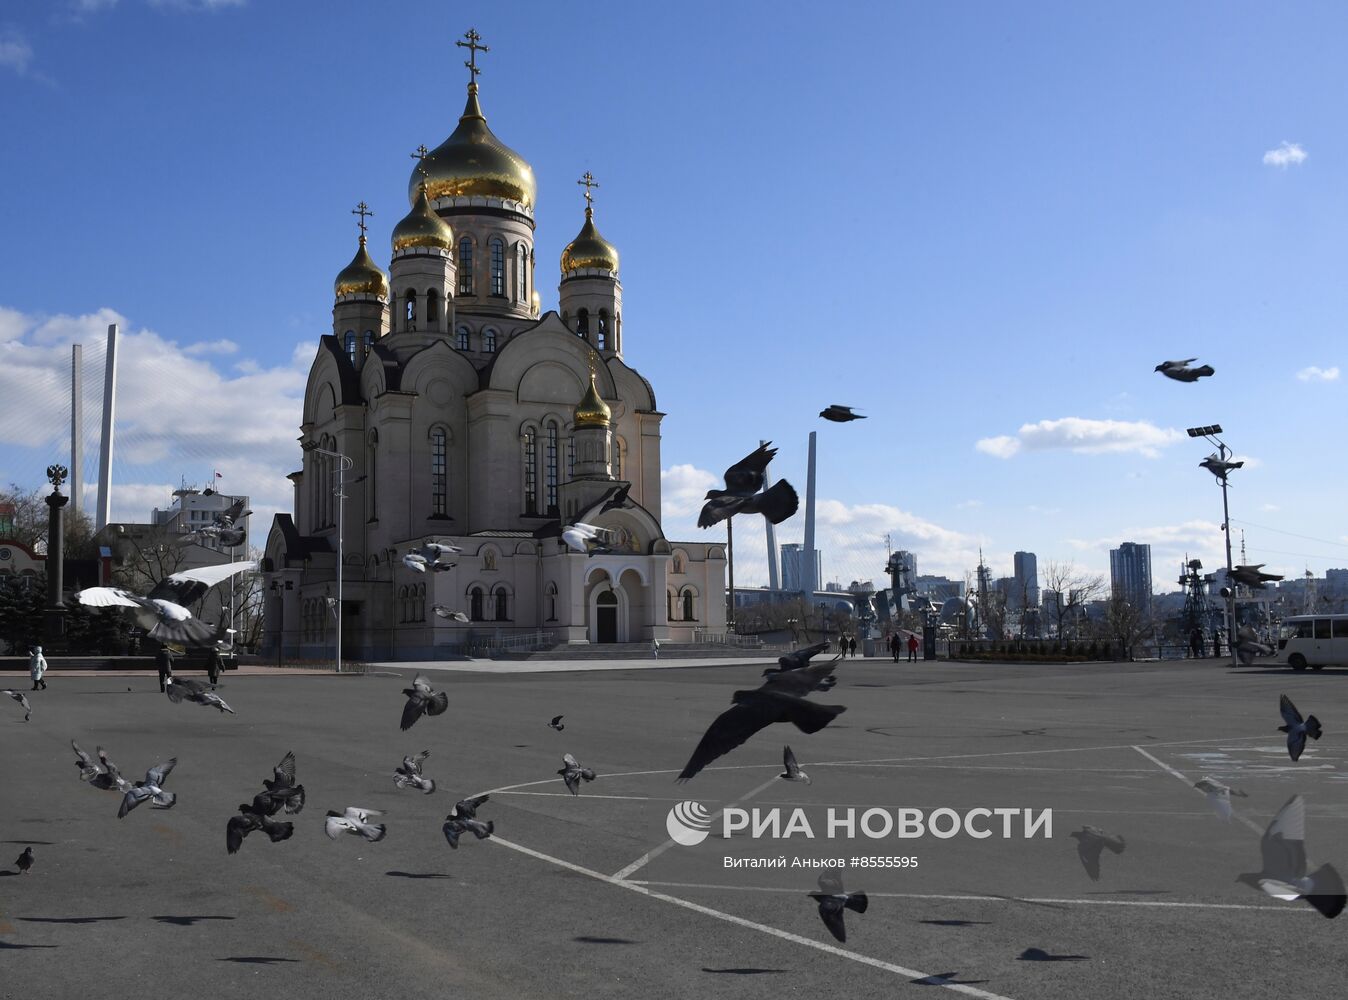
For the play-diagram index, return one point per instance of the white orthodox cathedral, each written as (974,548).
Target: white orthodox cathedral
(468,416)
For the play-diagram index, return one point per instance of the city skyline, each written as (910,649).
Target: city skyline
(1112,237)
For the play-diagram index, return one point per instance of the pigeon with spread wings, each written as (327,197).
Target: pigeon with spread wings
(840,414)
(1181,372)
(421,700)
(163,612)
(833,901)
(572,773)
(1091,841)
(408,773)
(150,790)
(464,820)
(1297,728)
(22,699)
(195,691)
(743,481)
(753,711)
(1284,875)
(104,774)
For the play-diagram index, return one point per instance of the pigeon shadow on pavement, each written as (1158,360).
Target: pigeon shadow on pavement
(256,959)
(418,874)
(742,972)
(954,923)
(6,946)
(187,921)
(945,979)
(1039,955)
(68,920)
(591,939)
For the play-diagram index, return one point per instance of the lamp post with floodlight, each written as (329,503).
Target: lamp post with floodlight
(1220,465)
(344,466)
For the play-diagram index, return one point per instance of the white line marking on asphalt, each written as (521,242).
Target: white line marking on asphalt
(1171,771)
(655,852)
(988,899)
(753,925)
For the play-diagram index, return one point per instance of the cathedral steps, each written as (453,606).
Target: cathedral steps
(641,650)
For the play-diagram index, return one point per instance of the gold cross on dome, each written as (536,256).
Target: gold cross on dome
(421,153)
(588,182)
(473,49)
(362,210)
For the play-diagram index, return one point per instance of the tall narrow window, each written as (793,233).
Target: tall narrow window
(669,605)
(402,604)
(583,324)
(617,459)
(489,341)
(601,335)
(351,346)
(475,604)
(438,476)
(432,306)
(502,612)
(688,606)
(463,338)
(550,482)
(521,273)
(465,266)
(498,268)
(530,472)
(369,340)
(570,459)
(552,602)
(410,310)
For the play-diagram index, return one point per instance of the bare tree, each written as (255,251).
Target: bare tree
(30,523)
(1072,591)
(993,612)
(1127,624)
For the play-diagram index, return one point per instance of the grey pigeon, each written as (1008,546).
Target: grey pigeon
(614,499)
(1297,728)
(1284,875)
(464,820)
(797,659)
(194,691)
(25,860)
(1219,795)
(250,820)
(422,700)
(839,414)
(1091,841)
(755,710)
(435,556)
(408,774)
(282,792)
(104,774)
(557,723)
(444,612)
(1252,576)
(833,901)
(743,482)
(816,677)
(163,612)
(572,773)
(1248,645)
(355,821)
(587,539)
(1181,372)
(1214,464)
(150,790)
(793,771)
(22,699)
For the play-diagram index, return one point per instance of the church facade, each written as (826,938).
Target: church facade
(446,406)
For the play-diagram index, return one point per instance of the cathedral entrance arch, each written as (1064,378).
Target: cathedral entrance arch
(606,617)
(609,608)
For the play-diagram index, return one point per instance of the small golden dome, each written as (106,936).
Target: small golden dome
(589,249)
(422,227)
(473,161)
(592,411)
(361,276)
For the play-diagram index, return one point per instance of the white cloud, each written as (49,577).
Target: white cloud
(1288,154)
(1316,374)
(15,52)
(1082,435)
(211,347)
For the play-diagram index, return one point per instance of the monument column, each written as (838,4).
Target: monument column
(54,618)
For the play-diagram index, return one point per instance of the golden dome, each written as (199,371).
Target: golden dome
(361,276)
(422,227)
(592,411)
(589,249)
(472,161)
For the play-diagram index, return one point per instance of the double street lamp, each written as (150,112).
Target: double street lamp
(344,465)
(1220,465)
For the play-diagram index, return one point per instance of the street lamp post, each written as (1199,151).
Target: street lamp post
(344,465)
(1221,469)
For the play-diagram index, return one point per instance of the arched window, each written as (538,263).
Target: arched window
(369,341)
(617,458)
(551,595)
(497,267)
(583,324)
(601,336)
(439,476)
(403,604)
(688,606)
(530,472)
(462,342)
(570,459)
(350,343)
(521,272)
(465,266)
(432,306)
(489,341)
(669,605)
(502,610)
(372,476)
(419,602)
(617,332)
(550,470)
(410,310)
(475,604)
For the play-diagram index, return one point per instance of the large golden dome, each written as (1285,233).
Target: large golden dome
(422,227)
(589,249)
(361,277)
(472,161)
(592,411)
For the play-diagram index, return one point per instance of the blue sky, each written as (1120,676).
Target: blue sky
(983,224)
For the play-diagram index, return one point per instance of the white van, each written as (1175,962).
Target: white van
(1313,641)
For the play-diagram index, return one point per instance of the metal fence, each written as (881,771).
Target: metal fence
(702,635)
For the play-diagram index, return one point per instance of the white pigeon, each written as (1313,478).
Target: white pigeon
(355,821)
(444,612)
(430,556)
(150,790)
(793,771)
(1285,873)
(586,539)
(1219,795)
(22,699)
(163,612)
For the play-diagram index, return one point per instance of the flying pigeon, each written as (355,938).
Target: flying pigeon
(572,772)
(355,821)
(163,612)
(557,723)
(752,711)
(420,699)
(816,677)
(408,774)
(1252,576)
(281,790)
(1297,729)
(1091,841)
(104,774)
(224,529)
(833,901)
(444,612)
(614,499)
(249,820)
(1283,851)
(1214,464)
(150,790)
(797,659)
(793,771)
(22,699)
(1248,645)
(1219,795)
(586,539)
(464,820)
(743,481)
(25,860)
(1181,372)
(187,689)
(840,414)
(429,556)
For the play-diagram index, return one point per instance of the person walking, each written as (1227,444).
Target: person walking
(1195,643)
(895,646)
(852,647)
(912,648)
(1216,642)
(214,664)
(164,661)
(655,648)
(37,666)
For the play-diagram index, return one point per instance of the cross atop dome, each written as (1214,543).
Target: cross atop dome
(588,182)
(473,49)
(363,210)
